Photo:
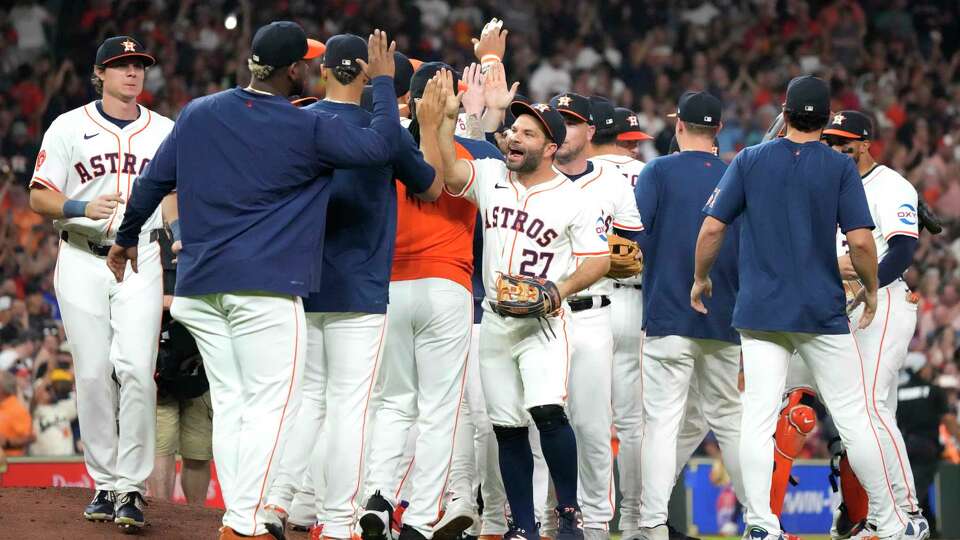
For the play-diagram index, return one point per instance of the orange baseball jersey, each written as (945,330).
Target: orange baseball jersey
(435,240)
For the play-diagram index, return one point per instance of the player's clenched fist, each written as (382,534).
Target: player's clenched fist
(103,206)
(380,54)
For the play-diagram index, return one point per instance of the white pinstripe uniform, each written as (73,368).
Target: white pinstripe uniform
(536,232)
(883,345)
(591,370)
(112,327)
(626,312)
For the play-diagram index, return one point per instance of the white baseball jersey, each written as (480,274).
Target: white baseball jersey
(893,207)
(629,169)
(537,232)
(84,155)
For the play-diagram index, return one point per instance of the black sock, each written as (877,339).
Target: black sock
(559,446)
(516,468)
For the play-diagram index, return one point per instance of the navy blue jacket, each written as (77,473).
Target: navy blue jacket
(251,171)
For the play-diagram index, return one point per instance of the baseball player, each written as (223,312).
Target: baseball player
(427,344)
(678,341)
(346,316)
(536,224)
(591,367)
(893,203)
(612,148)
(88,163)
(793,193)
(252,226)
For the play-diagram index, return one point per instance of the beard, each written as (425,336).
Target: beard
(569,153)
(296,87)
(531,162)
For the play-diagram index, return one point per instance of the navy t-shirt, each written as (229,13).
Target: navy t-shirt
(671,192)
(361,223)
(251,173)
(792,198)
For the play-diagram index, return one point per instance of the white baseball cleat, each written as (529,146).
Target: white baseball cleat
(458,516)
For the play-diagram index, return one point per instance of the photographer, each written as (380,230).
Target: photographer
(184,412)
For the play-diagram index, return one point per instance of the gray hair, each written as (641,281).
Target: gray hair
(259,72)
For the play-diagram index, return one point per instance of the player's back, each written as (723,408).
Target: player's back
(680,184)
(246,165)
(793,196)
(436,239)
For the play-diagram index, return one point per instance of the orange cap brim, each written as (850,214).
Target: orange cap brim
(841,133)
(416,63)
(634,136)
(314,49)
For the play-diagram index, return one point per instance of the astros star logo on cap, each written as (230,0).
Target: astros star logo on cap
(839,118)
(129,46)
(632,120)
(541,107)
(564,101)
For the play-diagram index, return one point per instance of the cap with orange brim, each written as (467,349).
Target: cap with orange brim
(627,126)
(850,125)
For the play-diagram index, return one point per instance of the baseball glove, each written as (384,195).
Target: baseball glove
(928,220)
(523,297)
(625,257)
(851,289)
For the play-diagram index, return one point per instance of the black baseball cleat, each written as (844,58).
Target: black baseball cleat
(375,520)
(101,508)
(677,535)
(569,524)
(129,512)
(409,533)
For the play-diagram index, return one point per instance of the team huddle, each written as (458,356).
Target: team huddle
(423,302)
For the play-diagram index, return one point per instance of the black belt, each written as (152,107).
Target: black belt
(101,250)
(581,304)
(627,286)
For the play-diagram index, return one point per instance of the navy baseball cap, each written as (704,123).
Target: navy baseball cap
(282,43)
(808,95)
(117,47)
(403,71)
(573,106)
(552,121)
(602,112)
(850,125)
(699,108)
(342,50)
(424,73)
(627,126)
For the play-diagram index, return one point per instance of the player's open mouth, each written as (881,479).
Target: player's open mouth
(514,154)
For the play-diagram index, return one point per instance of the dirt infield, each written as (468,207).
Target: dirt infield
(57,513)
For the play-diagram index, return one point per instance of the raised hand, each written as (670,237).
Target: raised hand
(430,106)
(495,92)
(452,102)
(492,42)
(473,99)
(380,55)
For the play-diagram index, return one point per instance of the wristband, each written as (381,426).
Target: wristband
(73,208)
(489,59)
(175,229)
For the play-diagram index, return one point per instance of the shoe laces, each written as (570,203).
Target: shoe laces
(133,498)
(103,495)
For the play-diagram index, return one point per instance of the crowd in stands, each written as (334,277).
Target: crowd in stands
(898,60)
